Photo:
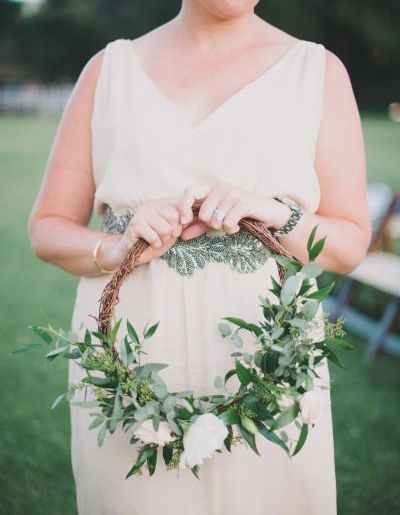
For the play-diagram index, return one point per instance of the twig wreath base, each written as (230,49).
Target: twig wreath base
(277,382)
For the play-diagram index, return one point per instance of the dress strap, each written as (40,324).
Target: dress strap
(109,84)
(107,107)
(311,88)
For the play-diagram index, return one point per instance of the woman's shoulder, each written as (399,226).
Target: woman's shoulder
(334,65)
(92,67)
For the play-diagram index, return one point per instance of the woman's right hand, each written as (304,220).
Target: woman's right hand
(157,221)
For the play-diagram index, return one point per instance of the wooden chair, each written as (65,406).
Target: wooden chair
(380,270)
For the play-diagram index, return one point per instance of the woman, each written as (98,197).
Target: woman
(217,105)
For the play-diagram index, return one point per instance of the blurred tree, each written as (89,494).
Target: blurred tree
(366,36)
(9,12)
(64,34)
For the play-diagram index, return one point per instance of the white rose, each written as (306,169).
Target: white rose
(285,402)
(147,434)
(203,438)
(312,404)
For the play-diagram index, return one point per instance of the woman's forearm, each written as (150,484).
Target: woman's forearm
(345,245)
(344,248)
(68,245)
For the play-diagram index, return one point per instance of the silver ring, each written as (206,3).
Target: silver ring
(219,215)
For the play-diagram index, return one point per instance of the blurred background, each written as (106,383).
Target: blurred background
(43,47)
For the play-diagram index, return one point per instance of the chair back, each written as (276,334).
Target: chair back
(381,204)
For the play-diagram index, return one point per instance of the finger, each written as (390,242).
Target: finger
(169,212)
(162,227)
(189,196)
(176,230)
(223,209)
(230,224)
(194,230)
(145,231)
(208,206)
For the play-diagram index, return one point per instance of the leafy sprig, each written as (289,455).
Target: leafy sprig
(290,343)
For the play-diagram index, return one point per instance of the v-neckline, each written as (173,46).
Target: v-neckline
(180,113)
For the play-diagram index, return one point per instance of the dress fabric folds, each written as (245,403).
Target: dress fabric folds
(263,139)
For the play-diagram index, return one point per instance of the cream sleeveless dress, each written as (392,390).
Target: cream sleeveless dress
(262,138)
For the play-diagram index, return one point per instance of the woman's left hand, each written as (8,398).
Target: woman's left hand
(223,206)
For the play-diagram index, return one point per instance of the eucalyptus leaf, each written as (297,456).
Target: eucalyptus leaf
(169,404)
(225,329)
(238,321)
(132,332)
(312,270)
(315,251)
(230,417)
(27,348)
(86,404)
(114,330)
(117,412)
(57,401)
(151,330)
(272,437)
(175,427)
(289,289)
(74,354)
(321,293)
(248,358)
(244,374)
(237,340)
(286,417)
(152,461)
(301,440)
(310,239)
(156,422)
(249,438)
(310,308)
(286,262)
(186,404)
(339,343)
(218,382)
(101,435)
(96,422)
(56,351)
(248,424)
(41,332)
(299,322)
(148,368)
(277,332)
(87,338)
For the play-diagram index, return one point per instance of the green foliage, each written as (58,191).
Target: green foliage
(287,353)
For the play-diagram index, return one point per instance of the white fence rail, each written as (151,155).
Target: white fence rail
(38,98)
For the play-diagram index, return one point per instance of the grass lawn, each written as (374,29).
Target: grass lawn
(35,469)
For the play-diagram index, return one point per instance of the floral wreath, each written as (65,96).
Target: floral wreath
(277,381)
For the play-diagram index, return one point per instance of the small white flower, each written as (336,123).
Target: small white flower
(147,434)
(202,439)
(316,331)
(312,404)
(286,401)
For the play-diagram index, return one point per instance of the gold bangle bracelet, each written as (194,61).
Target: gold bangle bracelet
(95,259)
